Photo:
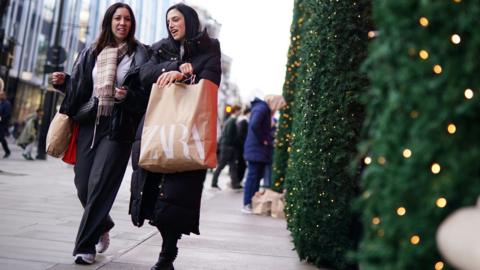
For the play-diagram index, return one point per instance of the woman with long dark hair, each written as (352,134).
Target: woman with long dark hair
(104,96)
(172,201)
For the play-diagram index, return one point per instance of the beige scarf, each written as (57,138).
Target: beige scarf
(104,88)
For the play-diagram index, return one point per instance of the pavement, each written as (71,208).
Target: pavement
(40,213)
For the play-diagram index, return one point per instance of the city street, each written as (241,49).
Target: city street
(39,215)
(365,113)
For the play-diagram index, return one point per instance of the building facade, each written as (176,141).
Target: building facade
(149,14)
(32,25)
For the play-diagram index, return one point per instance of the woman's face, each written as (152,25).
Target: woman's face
(121,24)
(176,24)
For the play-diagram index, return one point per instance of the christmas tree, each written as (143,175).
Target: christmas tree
(423,145)
(327,119)
(292,90)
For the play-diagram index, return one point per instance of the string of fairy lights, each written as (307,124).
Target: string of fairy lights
(289,90)
(451,128)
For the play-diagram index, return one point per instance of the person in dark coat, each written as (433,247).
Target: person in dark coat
(108,71)
(5,114)
(258,147)
(172,201)
(228,144)
(242,130)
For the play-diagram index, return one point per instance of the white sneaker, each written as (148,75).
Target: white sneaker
(247,209)
(103,243)
(84,258)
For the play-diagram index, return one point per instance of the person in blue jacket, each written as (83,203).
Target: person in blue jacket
(258,148)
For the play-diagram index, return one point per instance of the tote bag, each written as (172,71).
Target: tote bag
(58,136)
(180,128)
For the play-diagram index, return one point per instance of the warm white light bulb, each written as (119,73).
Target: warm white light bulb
(468,93)
(456,39)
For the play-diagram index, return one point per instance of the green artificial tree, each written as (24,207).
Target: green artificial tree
(422,147)
(291,91)
(327,119)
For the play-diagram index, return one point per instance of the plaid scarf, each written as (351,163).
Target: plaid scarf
(104,88)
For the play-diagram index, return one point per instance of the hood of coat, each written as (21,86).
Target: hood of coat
(195,46)
(192,23)
(257,103)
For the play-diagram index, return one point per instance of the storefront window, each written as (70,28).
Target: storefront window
(45,32)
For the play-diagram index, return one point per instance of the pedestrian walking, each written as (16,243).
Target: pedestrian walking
(28,136)
(171,201)
(107,73)
(258,148)
(227,147)
(5,114)
(242,130)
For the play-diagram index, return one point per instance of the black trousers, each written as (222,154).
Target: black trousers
(4,143)
(241,165)
(169,243)
(98,174)
(227,157)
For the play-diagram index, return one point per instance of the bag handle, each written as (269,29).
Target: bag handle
(190,79)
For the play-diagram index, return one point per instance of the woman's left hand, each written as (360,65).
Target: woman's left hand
(120,93)
(169,77)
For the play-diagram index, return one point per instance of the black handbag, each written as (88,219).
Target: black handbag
(87,111)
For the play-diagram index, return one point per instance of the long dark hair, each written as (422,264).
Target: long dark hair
(192,23)
(106,37)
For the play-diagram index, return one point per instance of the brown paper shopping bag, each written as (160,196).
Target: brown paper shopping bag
(58,136)
(269,202)
(260,204)
(180,128)
(278,208)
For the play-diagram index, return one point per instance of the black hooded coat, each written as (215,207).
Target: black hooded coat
(172,201)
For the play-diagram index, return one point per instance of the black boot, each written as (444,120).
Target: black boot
(169,251)
(163,264)
(165,261)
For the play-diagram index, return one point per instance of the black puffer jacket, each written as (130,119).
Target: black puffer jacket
(172,199)
(202,52)
(126,115)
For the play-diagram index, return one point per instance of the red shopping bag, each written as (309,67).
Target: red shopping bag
(70,155)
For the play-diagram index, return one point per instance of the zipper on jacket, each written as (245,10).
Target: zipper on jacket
(97,121)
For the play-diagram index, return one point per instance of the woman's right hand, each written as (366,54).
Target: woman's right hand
(169,77)
(186,68)
(58,78)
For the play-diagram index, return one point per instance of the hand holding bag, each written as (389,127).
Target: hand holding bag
(180,128)
(58,135)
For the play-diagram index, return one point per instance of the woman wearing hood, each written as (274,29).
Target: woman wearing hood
(258,147)
(171,202)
